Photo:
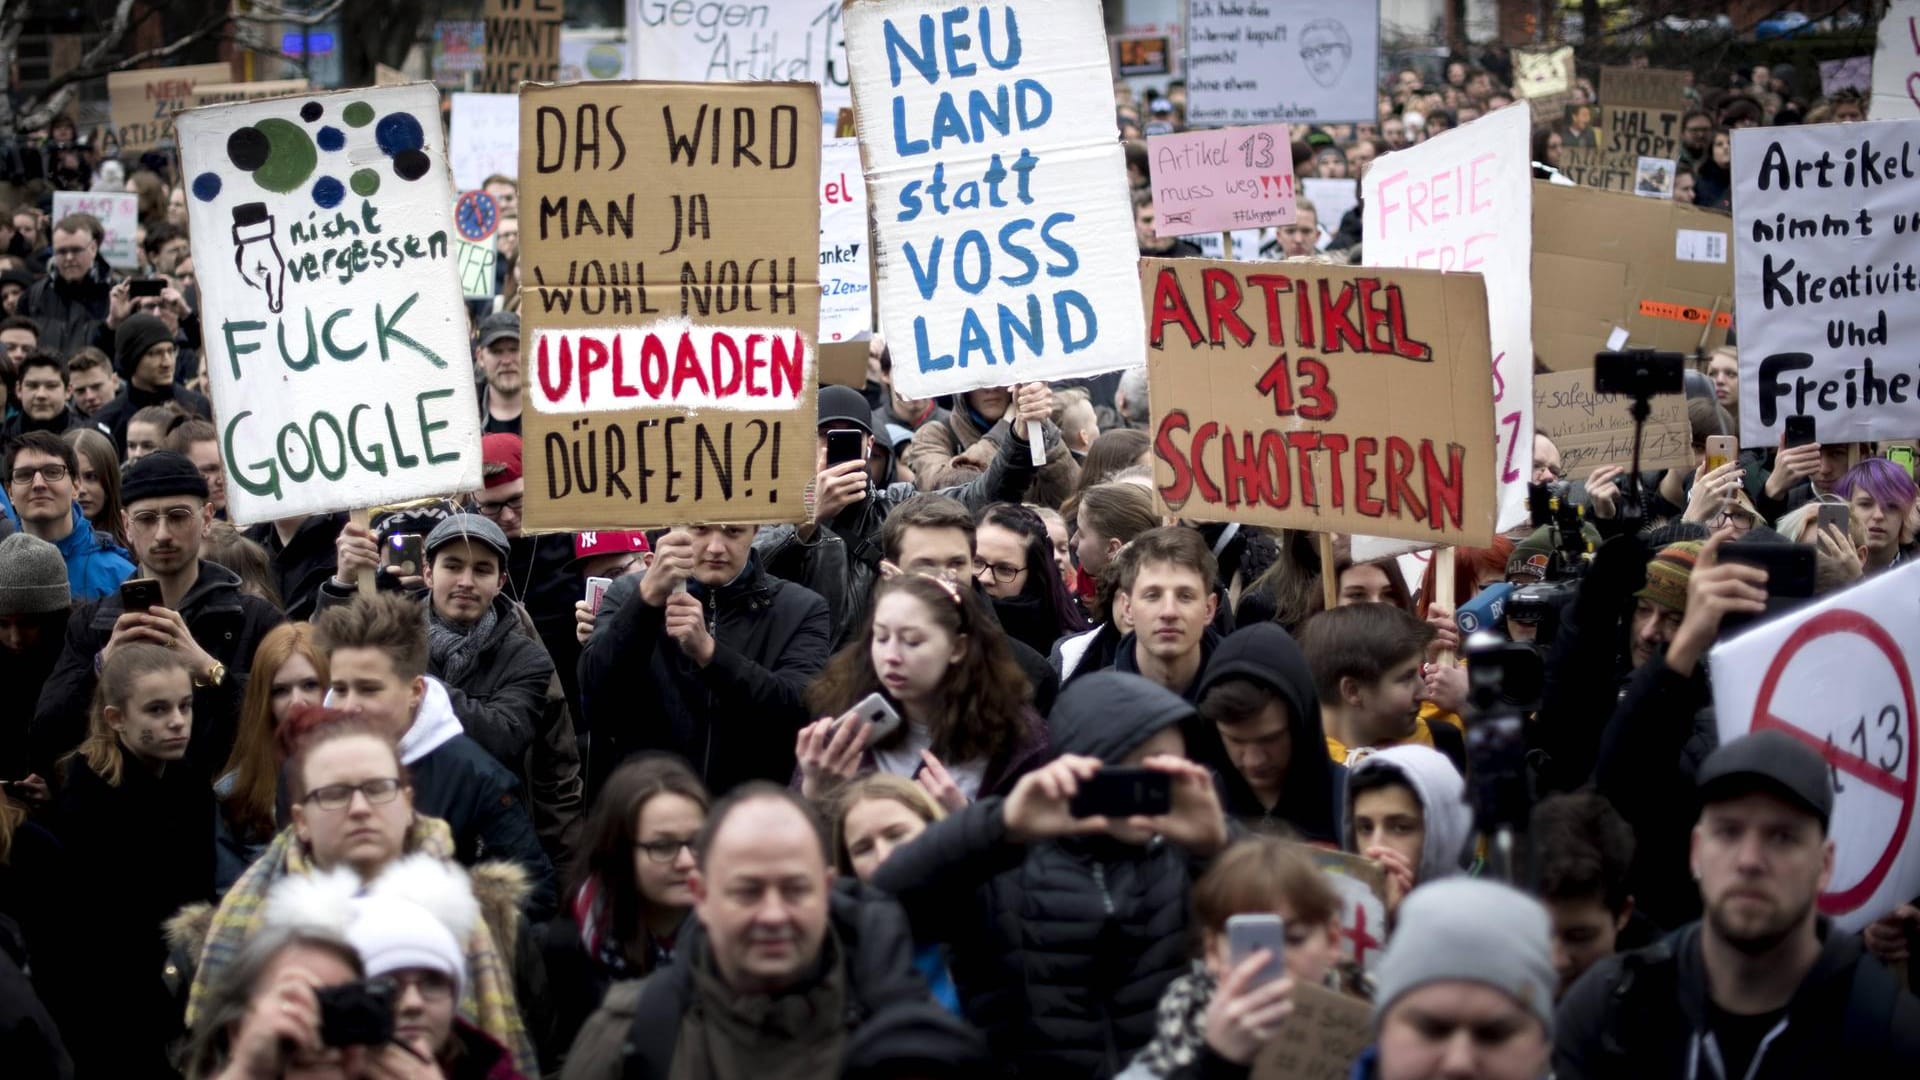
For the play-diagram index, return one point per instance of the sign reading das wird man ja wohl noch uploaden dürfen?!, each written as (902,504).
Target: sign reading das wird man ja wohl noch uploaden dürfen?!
(336,338)
(670,255)
(1003,227)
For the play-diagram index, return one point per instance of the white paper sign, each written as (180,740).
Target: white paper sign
(846,281)
(736,41)
(1838,676)
(484,130)
(1896,63)
(594,55)
(336,336)
(1250,61)
(1331,199)
(119,214)
(1464,201)
(1823,279)
(1006,250)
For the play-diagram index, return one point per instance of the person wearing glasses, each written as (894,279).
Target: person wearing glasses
(79,303)
(1013,563)
(202,613)
(42,472)
(147,357)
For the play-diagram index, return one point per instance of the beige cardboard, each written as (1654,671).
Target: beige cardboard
(1593,429)
(844,363)
(1653,88)
(1320,1041)
(1432,416)
(523,43)
(1600,256)
(390,76)
(223,93)
(621,237)
(1639,116)
(145,99)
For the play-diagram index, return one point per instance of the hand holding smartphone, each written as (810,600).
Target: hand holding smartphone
(1123,791)
(1720,450)
(880,717)
(1248,934)
(140,594)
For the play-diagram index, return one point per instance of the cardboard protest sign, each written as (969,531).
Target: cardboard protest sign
(1645,88)
(1362,885)
(1824,223)
(336,340)
(225,93)
(390,76)
(779,40)
(522,41)
(1311,61)
(119,214)
(483,131)
(144,101)
(1657,274)
(459,50)
(1851,73)
(669,264)
(1838,676)
(1464,201)
(1896,63)
(1221,179)
(1320,1040)
(846,279)
(1639,118)
(1326,398)
(1004,231)
(1594,429)
(1542,73)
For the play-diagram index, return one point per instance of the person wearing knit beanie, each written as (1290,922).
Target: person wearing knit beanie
(33,577)
(1465,988)
(1662,602)
(133,340)
(162,474)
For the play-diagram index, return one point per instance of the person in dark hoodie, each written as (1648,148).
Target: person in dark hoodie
(144,354)
(1257,694)
(1763,987)
(1065,930)
(300,553)
(33,623)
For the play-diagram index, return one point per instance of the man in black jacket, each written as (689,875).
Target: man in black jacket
(1764,987)
(144,353)
(705,655)
(78,303)
(300,554)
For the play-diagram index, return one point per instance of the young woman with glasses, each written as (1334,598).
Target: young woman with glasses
(1013,563)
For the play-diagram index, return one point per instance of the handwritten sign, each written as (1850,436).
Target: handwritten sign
(587,55)
(1288,60)
(522,41)
(1648,88)
(740,40)
(1542,73)
(144,101)
(1005,234)
(669,261)
(336,339)
(1593,429)
(459,49)
(1362,886)
(1228,178)
(846,280)
(484,134)
(119,215)
(1320,1041)
(1896,63)
(1464,201)
(1824,286)
(1325,398)
(225,93)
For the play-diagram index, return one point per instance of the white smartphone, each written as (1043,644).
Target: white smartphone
(1721,449)
(875,711)
(1248,934)
(596,591)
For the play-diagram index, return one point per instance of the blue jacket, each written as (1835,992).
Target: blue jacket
(96,565)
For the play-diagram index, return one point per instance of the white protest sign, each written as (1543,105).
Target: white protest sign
(484,132)
(1331,199)
(594,55)
(846,282)
(336,336)
(1824,279)
(738,40)
(1464,202)
(1289,60)
(1005,238)
(1838,676)
(119,215)
(1896,63)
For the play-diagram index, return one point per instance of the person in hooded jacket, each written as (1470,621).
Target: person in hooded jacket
(1407,810)
(96,563)
(1065,930)
(1257,694)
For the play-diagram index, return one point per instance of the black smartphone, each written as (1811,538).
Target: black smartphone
(1789,570)
(1837,514)
(844,446)
(1122,791)
(139,287)
(404,554)
(1799,430)
(356,1014)
(1640,373)
(141,594)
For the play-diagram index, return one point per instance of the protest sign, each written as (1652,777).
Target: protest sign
(846,279)
(336,340)
(483,131)
(1325,398)
(226,93)
(1896,63)
(669,261)
(1004,232)
(1331,199)
(1851,73)
(522,39)
(1362,885)
(587,55)
(1639,118)
(1320,1040)
(1464,201)
(741,40)
(1246,245)
(1644,88)
(1838,676)
(1594,429)
(119,214)
(1825,221)
(1287,60)
(1136,55)
(1223,179)
(1543,73)
(144,100)
(459,50)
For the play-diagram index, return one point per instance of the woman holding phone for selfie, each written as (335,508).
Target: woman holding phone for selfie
(965,726)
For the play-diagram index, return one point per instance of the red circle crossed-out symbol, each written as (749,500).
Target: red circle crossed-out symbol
(1858,768)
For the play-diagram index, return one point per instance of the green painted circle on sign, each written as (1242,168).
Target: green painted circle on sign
(291,156)
(358,114)
(365,182)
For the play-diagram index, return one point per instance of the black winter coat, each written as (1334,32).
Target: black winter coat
(303,564)
(733,720)
(113,417)
(23,673)
(479,799)
(30,1042)
(72,315)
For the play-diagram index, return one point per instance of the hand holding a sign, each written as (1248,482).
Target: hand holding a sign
(1714,591)
(1032,408)
(1241,1020)
(687,626)
(672,565)
(354,553)
(829,751)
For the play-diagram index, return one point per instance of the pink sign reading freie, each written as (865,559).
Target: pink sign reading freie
(1221,179)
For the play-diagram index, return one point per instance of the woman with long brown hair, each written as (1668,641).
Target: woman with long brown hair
(289,671)
(98,484)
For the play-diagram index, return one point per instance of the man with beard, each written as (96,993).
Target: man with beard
(497,356)
(1764,986)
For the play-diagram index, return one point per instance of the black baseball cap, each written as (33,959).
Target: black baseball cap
(500,324)
(846,404)
(1771,761)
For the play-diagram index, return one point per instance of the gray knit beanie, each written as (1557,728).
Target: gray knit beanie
(1465,930)
(33,576)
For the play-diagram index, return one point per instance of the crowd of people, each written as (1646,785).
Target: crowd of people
(431,796)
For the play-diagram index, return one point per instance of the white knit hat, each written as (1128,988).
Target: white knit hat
(418,913)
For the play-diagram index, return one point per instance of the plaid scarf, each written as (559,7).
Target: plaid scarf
(486,997)
(1180,1030)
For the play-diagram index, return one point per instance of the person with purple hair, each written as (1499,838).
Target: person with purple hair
(1882,495)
